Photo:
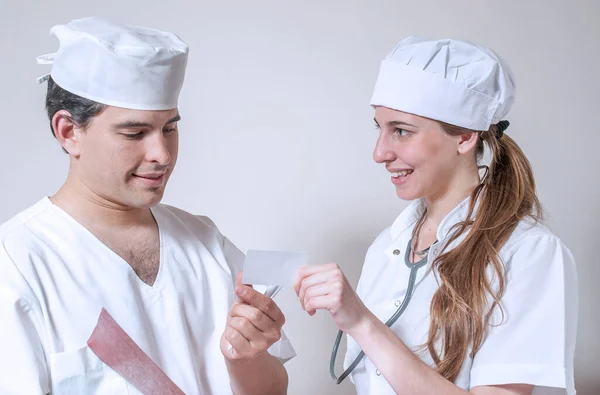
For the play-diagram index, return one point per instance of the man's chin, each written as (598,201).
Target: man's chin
(147,199)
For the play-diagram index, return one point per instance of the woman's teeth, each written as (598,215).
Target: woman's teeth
(402,173)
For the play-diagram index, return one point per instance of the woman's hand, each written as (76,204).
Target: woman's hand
(326,287)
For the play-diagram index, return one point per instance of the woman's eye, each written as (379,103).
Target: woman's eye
(401,132)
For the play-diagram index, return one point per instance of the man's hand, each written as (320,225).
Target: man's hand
(253,324)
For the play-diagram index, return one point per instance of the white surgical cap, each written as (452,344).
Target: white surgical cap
(451,81)
(118,65)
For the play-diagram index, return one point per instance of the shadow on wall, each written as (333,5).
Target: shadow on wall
(587,379)
(592,387)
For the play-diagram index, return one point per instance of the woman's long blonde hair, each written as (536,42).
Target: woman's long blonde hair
(460,309)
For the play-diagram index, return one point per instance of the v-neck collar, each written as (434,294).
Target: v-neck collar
(158,284)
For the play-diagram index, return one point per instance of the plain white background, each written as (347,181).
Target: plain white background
(277,132)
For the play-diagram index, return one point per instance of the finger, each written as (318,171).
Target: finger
(298,277)
(325,302)
(259,319)
(239,343)
(261,302)
(245,328)
(238,280)
(309,270)
(329,288)
(240,285)
(318,278)
(255,337)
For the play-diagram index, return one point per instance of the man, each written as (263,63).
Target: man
(103,246)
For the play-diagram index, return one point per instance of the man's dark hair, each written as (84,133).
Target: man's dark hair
(82,110)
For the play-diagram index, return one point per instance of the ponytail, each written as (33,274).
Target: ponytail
(460,310)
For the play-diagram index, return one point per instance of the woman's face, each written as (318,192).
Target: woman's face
(423,159)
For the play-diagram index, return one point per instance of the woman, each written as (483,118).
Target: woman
(480,297)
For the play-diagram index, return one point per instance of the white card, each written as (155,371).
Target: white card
(272,267)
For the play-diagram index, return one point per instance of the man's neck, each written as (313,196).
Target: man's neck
(91,209)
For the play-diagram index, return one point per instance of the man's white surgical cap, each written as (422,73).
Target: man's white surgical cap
(118,65)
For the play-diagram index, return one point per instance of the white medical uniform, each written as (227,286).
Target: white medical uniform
(533,345)
(56,276)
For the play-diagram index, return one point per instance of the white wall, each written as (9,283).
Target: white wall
(277,134)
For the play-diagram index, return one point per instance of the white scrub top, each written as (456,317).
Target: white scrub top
(534,344)
(56,276)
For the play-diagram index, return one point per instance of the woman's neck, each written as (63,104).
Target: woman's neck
(441,204)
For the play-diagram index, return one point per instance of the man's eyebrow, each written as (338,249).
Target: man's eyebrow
(132,124)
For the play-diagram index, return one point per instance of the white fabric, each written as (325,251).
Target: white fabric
(55,277)
(119,65)
(534,344)
(452,81)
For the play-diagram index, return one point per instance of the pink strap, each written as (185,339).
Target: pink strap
(116,349)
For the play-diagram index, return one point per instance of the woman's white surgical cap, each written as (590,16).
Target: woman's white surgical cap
(451,81)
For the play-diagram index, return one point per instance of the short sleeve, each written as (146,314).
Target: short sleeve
(534,342)
(283,349)
(22,361)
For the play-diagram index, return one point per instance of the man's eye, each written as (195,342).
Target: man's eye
(133,136)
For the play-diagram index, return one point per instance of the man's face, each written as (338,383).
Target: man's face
(126,157)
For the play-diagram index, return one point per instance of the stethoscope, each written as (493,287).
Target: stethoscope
(414,267)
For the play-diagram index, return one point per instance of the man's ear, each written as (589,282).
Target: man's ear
(64,130)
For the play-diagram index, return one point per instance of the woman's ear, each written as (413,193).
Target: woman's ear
(467,142)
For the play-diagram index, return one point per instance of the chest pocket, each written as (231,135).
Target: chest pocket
(82,372)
